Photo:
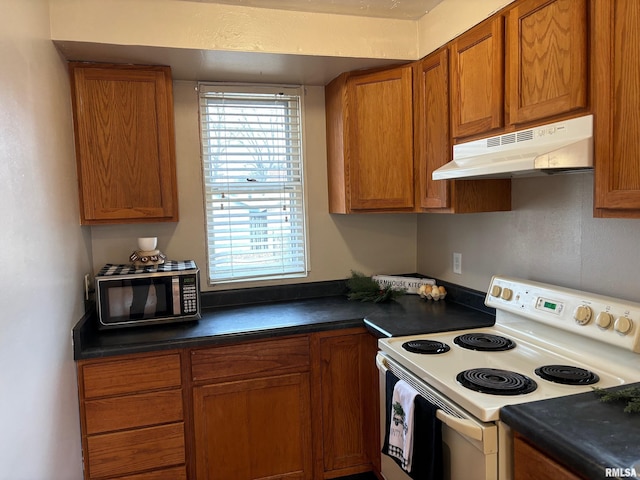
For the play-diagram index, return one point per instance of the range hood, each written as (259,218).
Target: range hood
(560,147)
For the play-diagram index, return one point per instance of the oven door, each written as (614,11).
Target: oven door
(470,446)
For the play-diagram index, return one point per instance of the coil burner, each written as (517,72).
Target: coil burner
(496,382)
(427,347)
(484,342)
(567,375)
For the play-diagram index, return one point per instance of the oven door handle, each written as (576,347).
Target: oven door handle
(460,425)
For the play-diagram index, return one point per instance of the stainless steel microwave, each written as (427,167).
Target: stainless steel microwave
(127,296)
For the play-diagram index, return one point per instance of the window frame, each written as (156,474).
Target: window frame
(207,89)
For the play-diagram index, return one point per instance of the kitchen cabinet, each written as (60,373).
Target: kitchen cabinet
(547,58)
(370,141)
(531,464)
(125,143)
(297,407)
(536,72)
(251,410)
(132,417)
(477,79)
(616,50)
(345,383)
(433,148)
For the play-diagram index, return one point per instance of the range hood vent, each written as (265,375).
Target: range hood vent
(561,147)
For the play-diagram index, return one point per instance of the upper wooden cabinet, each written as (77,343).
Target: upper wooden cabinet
(477,79)
(538,71)
(547,58)
(432,141)
(125,143)
(616,55)
(433,149)
(370,141)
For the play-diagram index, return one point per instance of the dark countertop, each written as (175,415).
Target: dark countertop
(222,324)
(581,432)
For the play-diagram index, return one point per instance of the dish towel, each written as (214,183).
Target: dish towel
(427,461)
(401,425)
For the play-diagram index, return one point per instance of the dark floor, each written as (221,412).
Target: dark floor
(359,476)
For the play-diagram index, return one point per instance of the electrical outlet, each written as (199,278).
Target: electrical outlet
(457,263)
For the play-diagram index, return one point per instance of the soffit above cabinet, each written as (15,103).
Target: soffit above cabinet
(223,66)
(400,9)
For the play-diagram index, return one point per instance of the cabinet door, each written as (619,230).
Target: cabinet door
(547,42)
(349,405)
(253,429)
(380,140)
(432,144)
(477,79)
(531,464)
(125,144)
(617,103)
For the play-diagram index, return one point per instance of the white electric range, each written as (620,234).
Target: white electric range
(547,342)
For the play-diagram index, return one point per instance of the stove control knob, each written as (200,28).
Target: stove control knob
(582,314)
(507,293)
(495,291)
(604,320)
(623,325)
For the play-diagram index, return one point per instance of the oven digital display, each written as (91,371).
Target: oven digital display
(548,305)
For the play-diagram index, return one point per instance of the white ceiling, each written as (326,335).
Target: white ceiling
(398,9)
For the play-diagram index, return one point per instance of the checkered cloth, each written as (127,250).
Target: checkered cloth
(125,269)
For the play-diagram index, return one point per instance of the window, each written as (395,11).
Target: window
(253,182)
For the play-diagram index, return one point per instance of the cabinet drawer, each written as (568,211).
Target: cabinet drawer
(132,411)
(176,473)
(135,451)
(254,359)
(130,375)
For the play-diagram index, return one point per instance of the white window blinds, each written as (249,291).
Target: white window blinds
(253,182)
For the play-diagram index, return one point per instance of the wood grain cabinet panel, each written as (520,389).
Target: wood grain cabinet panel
(134,451)
(531,464)
(547,42)
(370,141)
(477,79)
(345,381)
(132,411)
(133,374)
(125,143)
(253,429)
(250,359)
(617,102)
(132,417)
(175,473)
(433,148)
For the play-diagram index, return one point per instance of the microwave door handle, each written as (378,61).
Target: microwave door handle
(460,425)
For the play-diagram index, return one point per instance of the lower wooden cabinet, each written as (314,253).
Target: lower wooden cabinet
(132,417)
(297,408)
(253,429)
(531,464)
(345,381)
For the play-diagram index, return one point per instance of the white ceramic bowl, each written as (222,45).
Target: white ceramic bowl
(147,244)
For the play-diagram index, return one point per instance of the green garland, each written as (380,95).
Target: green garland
(366,289)
(631,395)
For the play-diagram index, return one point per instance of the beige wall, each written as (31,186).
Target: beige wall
(209,26)
(43,252)
(550,236)
(337,243)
